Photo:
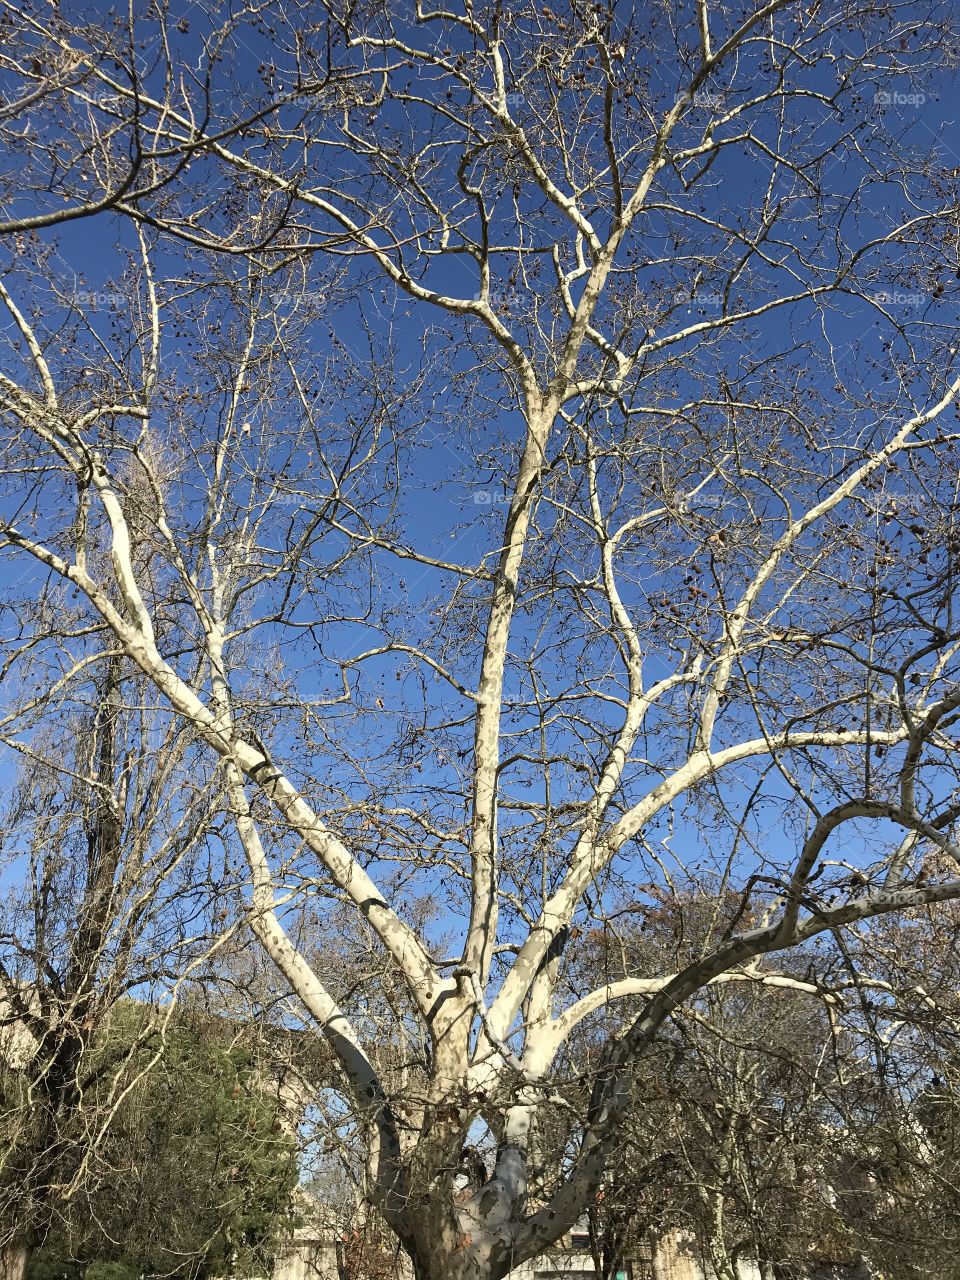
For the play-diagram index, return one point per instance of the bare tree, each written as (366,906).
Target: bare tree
(802,1136)
(894,1164)
(692,341)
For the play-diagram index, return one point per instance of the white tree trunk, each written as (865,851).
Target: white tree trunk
(676,1256)
(14,1259)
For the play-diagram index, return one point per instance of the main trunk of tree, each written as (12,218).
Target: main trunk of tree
(456,1267)
(14,1258)
(442,1248)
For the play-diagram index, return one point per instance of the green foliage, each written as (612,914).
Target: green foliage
(196,1172)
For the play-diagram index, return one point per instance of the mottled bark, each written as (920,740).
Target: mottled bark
(457,1256)
(14,1259)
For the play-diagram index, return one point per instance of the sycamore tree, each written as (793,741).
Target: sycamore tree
(518,446)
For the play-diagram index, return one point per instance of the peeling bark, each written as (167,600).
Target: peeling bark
(14,1260)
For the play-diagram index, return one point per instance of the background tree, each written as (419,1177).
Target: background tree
(707,618)
(108,895)
(732,1136)
(196,1174)
(797,1133)
(893,1170)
